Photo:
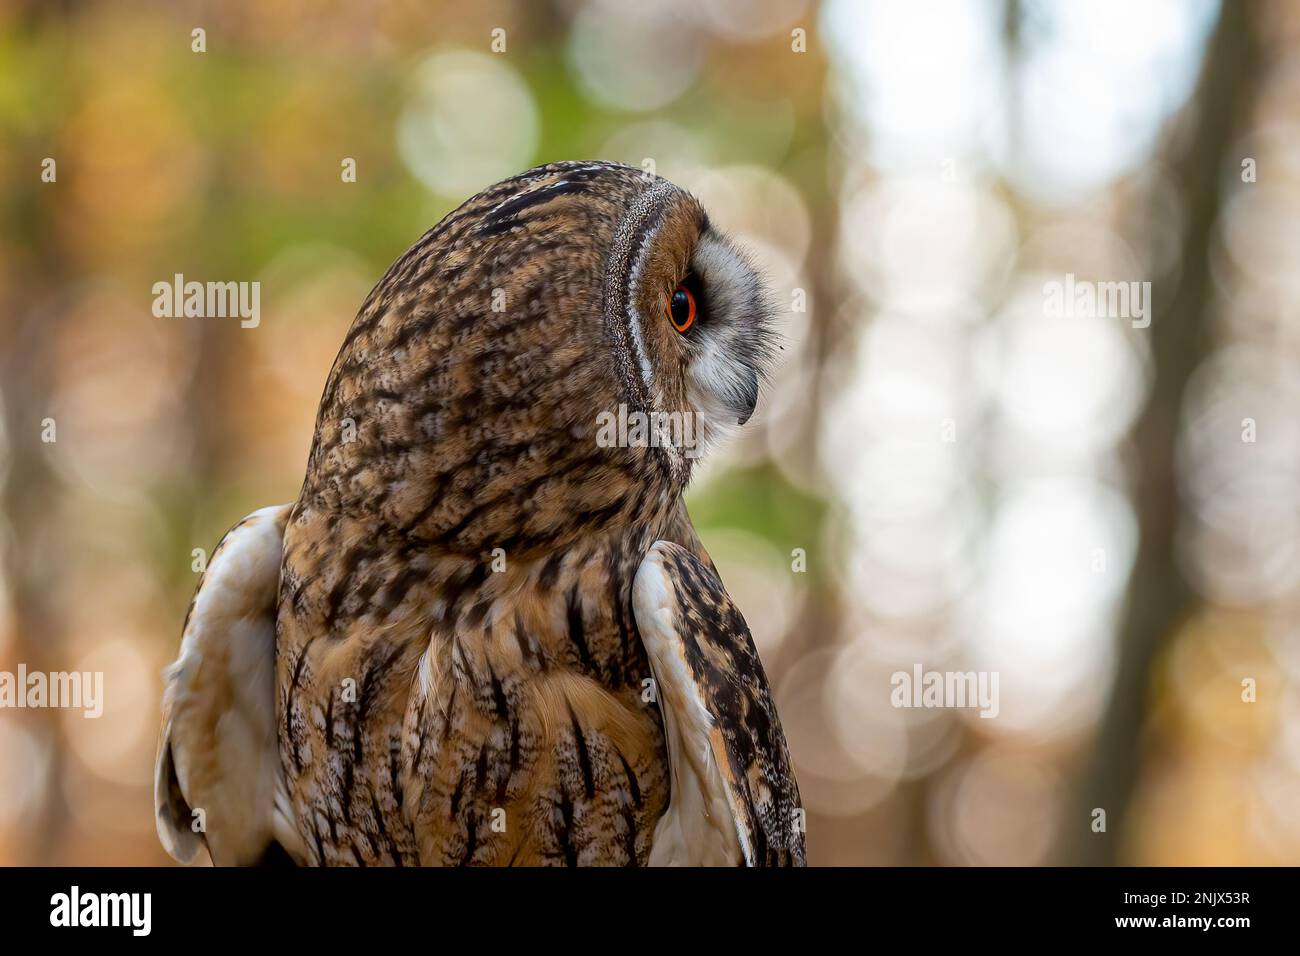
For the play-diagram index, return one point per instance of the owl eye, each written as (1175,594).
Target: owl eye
(681,308)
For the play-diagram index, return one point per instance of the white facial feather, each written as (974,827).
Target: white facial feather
(634,318)
(731,345)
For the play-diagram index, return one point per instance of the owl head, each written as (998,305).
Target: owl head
(686,318)
(555,354)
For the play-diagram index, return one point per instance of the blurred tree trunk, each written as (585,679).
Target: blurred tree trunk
(1158,596)
(28,500)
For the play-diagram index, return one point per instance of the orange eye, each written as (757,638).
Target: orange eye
(681,309)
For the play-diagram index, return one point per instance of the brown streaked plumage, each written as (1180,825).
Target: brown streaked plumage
(461,676)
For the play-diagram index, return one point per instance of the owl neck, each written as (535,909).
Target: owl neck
(344,569)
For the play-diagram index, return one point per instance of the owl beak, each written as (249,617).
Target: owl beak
(750,398)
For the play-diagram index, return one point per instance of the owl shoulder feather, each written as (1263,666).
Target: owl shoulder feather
(217,775)
(734,794)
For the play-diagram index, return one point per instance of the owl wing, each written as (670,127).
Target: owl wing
(217,752)
(734,795)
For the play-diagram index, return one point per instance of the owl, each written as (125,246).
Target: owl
(486,631)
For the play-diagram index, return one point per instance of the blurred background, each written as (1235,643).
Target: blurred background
(1107,517)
